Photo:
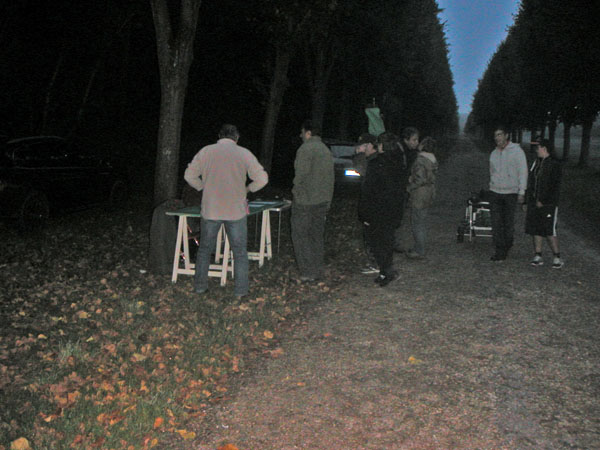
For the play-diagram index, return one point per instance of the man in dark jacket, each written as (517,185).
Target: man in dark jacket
(543,192)
(312,191)
(380,206)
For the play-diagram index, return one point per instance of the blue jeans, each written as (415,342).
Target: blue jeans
(237,233)
(308,230)
(418,219)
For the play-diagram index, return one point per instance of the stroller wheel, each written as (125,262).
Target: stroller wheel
(460,235)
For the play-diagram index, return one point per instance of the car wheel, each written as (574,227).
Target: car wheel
(118,194)
(34,211)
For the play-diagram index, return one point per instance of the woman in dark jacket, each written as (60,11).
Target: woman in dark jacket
(380,206)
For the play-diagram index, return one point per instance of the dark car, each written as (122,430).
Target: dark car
(46,174)
(343,152)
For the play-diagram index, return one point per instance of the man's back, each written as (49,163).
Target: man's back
(314,179)
(223,168)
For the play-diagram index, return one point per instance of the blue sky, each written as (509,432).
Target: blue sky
(474,28)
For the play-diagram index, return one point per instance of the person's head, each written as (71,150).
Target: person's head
(501,136)
(230,132)
(429,145)
(367,144)
(410,137)
(542,147)
(387,142)
(309,130)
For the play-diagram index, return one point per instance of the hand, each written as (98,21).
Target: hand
(539,204)
(520,199)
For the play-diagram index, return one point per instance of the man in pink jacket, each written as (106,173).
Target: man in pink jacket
(220,170)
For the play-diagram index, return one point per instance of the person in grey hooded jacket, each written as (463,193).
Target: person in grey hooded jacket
(421,190)
(508,182)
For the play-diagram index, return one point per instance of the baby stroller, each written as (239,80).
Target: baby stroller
(477,220)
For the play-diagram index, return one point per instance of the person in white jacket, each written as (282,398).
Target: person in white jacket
(508,182)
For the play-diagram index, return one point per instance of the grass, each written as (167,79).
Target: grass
(96,354)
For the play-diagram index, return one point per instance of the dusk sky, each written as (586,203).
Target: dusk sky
(474,28)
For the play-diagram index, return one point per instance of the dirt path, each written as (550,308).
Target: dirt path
(460,353)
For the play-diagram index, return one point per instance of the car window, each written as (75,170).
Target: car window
(40,154)
(342,151)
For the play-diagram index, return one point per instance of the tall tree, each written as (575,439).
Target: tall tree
(175,32)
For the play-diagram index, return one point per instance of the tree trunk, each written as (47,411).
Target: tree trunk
(318,102)
(279,84)
(586,132)
(175,51)
(344,115)
(166,174)
(49,90)
(86,95)
(323,65)
(566,141)
(552,134)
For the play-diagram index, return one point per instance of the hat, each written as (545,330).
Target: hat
(366,138)
(541,142)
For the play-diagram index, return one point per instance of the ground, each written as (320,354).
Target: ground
(459,353)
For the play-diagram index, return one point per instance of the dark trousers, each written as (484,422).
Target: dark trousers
(502,211)
(308,237)
(380,238)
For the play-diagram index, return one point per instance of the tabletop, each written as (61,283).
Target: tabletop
(255,207)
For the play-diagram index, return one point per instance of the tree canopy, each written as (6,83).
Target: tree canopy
(544,72)
(95,72)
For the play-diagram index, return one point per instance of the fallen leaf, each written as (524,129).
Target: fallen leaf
(137,357)
(276,353)
(187,435)
(267,334)
(158,422)
(20,444)
(413,360)
(228,447)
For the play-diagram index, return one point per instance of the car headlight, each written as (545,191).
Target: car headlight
(351,173)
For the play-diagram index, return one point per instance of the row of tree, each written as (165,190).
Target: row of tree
(116,70)
(545,72)
(393,50)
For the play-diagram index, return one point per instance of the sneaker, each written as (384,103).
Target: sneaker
(379,279)
(368,269)
(387,279)
(537,261)
(414,255)
(557,263)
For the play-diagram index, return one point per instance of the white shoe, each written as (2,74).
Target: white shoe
(537,261)
(557,263)
(369,269)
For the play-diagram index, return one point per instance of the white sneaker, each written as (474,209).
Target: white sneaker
(369,269)
(557,263)
(537,261)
